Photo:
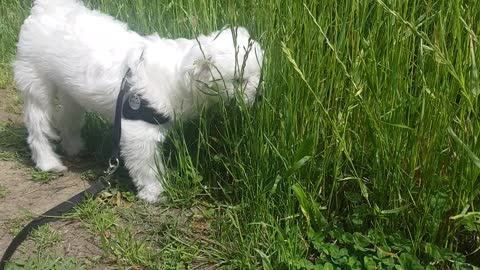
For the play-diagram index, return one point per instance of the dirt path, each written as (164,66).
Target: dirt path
(20,196)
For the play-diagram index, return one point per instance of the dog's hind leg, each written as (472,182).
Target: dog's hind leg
(138,146)
(38,95)
(70,119)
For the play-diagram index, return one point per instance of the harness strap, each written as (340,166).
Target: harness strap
(143,112)
(130,106)
(117,124)
(51,215)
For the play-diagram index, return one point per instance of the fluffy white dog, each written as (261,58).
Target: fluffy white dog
(74,57)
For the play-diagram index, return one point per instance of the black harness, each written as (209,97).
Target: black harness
(133,107)
(129,106)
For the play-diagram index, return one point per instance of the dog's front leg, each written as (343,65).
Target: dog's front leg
(138,146)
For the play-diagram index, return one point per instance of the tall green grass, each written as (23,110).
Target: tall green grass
(367,138)
(12,14)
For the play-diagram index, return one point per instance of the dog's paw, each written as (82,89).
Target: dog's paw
(52,166)
(151,194)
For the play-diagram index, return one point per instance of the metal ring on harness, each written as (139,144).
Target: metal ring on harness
(113,164)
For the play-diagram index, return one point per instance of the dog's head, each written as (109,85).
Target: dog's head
(224,64)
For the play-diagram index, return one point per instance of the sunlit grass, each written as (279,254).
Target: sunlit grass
(369,128)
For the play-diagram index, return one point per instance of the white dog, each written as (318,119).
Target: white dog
(74,57)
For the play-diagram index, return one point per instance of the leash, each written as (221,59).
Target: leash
(52,215)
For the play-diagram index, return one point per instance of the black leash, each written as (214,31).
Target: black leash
(51,215)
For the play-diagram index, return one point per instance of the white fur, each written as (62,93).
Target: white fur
(80,56)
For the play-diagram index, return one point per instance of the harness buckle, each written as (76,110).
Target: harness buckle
(113,165)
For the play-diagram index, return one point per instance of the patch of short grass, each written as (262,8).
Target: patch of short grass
(45,237)
(41,176)
(15,225)
(46,261)
(115,240)
(90,175)
(135,234)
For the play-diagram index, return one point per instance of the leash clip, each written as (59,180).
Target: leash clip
(112,166)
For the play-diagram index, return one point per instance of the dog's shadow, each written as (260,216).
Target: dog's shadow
(89,165)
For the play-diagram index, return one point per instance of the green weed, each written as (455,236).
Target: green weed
(45,237)
(15,225)
(40,176)
(3,191)
(46,261)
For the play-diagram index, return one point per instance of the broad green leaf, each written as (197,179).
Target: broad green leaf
(265,260)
